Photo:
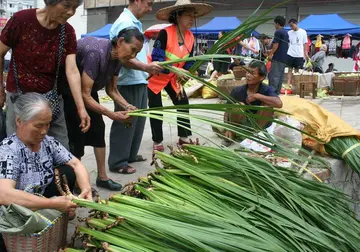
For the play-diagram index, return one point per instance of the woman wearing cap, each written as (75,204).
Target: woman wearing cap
(173,42)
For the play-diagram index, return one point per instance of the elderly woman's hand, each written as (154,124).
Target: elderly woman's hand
(86,194)
(85,120)
(64,203)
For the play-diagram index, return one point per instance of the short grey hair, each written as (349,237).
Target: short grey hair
(29,105)
(323,48)
(55,2)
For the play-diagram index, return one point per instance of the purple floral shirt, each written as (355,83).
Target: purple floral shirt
(93,57)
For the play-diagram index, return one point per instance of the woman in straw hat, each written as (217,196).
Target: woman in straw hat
(173,42)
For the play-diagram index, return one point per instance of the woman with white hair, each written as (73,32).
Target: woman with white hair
(28,159)
(42,43)
(318,59)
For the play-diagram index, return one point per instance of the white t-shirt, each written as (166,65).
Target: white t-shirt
(297,40)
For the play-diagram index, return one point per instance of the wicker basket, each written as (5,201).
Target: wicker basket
(346,86)
(239,72)
(308,89)
(337,74)
(225,86)
(50,239)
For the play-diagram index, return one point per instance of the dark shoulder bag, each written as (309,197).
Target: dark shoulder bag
(52,96)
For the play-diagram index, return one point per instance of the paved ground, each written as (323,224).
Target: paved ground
(346,107)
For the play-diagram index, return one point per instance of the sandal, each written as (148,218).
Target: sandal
(138,158)
(158,147)
(182,142)
(71,215)
(125,169)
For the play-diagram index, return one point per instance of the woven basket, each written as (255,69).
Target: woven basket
(337,74)
(50,239)
(225,86)
(239,72)
(349,86)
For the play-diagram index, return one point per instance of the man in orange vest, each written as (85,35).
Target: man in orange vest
(174,42)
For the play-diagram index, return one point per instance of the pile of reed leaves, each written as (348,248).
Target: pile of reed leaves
(207,199)
(346,148)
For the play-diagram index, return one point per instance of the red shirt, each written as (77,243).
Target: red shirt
(35,49)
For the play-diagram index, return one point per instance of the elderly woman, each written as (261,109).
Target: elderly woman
(42,43)
(318,59)
(174,42)
(99,61)
(28,159)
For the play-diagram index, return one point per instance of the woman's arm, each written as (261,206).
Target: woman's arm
(82,177)
(113,92)
(3,50)
(158,53)
(9,37)
(151,68)
(73,77)
(10,195)
(87,84)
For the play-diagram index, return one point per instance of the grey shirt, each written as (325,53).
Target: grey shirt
(319,58)
(93,56)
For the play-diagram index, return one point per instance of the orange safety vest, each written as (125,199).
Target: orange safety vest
(173,52)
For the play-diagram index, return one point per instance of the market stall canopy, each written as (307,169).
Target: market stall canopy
(152,31)
(103,32)
(219,24)
(329,24)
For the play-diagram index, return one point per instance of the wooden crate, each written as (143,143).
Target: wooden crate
(349,86)
(239,72)
(225,86)
(308,89)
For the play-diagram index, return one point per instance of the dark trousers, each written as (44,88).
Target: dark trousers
(51,191)
(125,141)
(318,69)
(94,137)
(276,75)
(156,125)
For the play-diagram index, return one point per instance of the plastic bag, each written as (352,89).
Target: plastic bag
(209,68)
(207,93)
(309,65)
(256,146)
(286,136)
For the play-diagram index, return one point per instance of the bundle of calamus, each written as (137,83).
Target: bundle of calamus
(208,199)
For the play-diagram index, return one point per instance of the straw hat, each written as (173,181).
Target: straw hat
(201,9)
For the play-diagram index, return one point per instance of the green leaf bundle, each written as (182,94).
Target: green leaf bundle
(208,199)
(346,148)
